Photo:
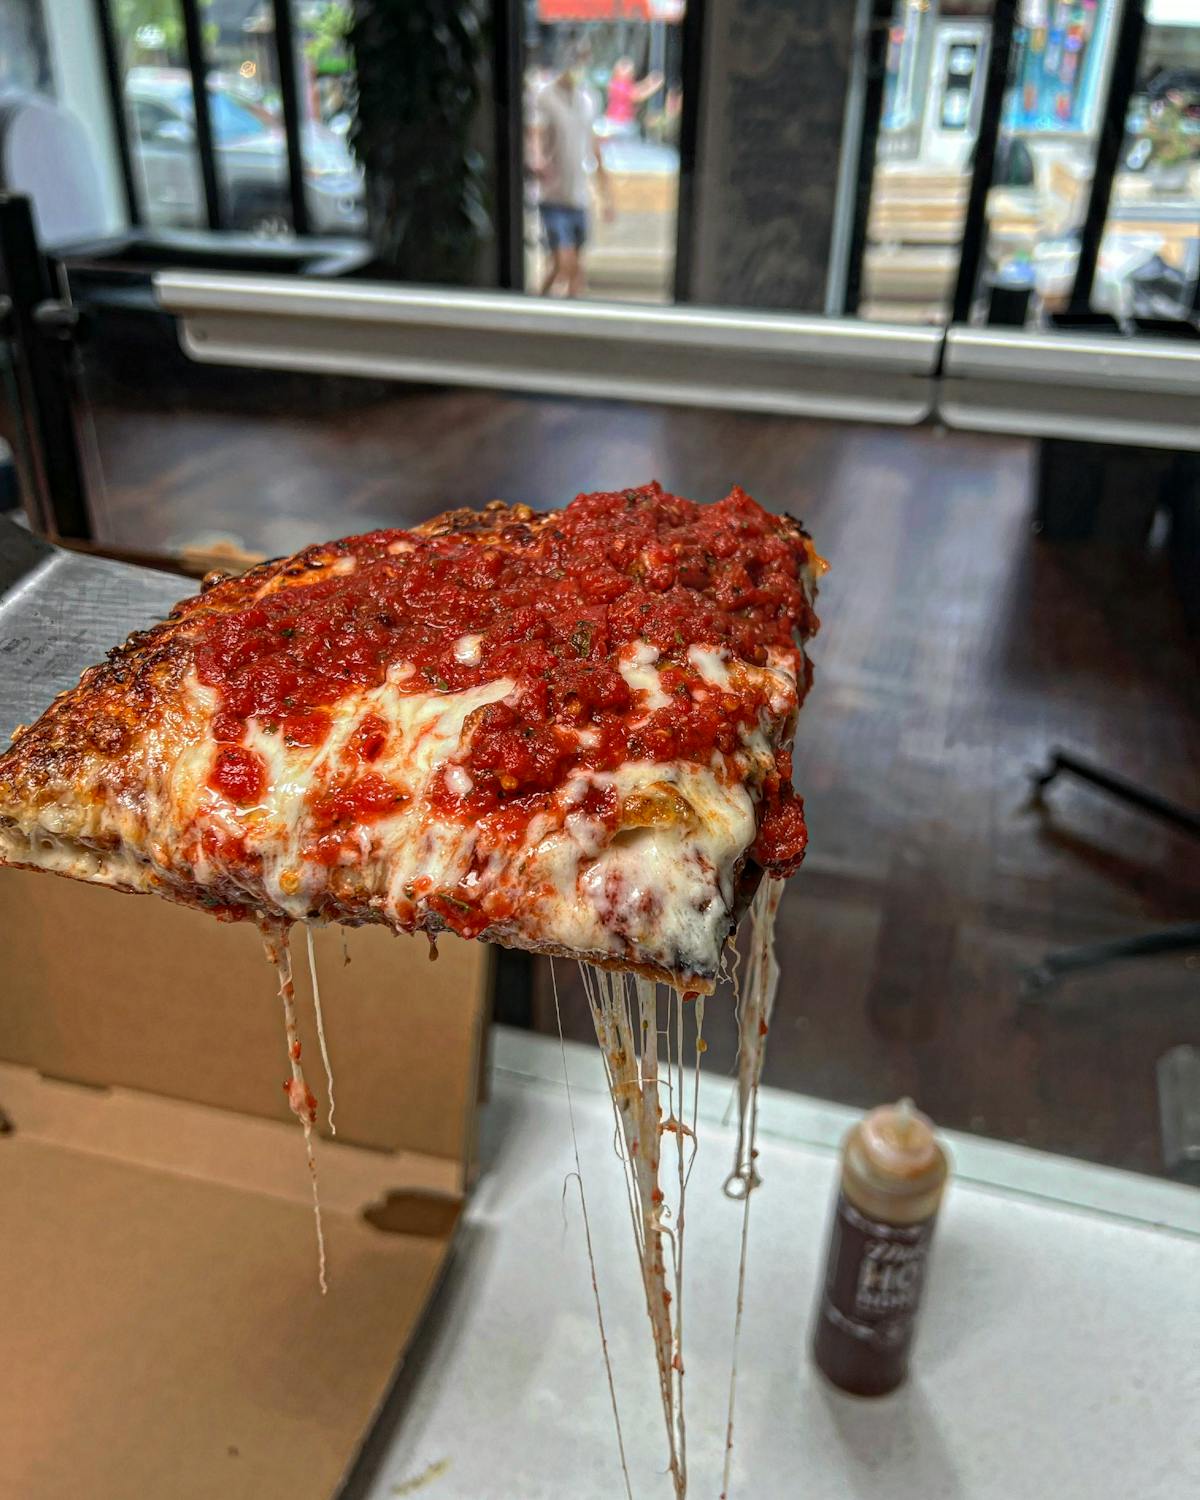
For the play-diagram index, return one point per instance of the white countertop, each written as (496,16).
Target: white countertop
(1058,1352)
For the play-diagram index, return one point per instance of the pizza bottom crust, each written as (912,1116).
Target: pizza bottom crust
(122,869)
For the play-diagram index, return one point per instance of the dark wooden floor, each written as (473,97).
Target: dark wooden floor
(956,649)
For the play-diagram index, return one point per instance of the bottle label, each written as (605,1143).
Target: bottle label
(874,1277)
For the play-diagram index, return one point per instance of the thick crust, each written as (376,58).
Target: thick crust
(364,916)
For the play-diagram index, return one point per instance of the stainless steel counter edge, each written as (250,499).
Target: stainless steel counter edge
(707,357)
(910,350)
(1092,387)
(1103,361)
(1096,388)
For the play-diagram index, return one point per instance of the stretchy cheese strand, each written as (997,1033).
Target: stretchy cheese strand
(587,1234)
(300,1097)
(757,1003)
(316,989)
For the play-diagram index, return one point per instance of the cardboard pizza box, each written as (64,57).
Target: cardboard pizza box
(164,1333)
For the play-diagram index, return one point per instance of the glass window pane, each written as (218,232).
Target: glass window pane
(936,65)
(249,141)
(1150,254)
(1058,75)
(327,90)
(602,110)
(24,51)
(245,100)
(160,111)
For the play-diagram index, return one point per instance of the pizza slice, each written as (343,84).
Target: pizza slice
(567,732)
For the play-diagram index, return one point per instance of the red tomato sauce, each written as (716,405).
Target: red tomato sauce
(552,606)
(240,774)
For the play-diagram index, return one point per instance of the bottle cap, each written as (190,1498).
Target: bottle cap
(893,1166)
(898,1140)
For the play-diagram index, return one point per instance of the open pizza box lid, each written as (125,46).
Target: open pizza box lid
(165,1333)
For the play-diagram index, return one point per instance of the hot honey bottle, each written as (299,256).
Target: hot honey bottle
(893,1174)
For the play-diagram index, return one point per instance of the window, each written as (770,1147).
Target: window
(157,86)
(246,88)
(1149,262)
(937,60)
(153,121)
(247,64)
(603,103)
(326,94)
(1058,74)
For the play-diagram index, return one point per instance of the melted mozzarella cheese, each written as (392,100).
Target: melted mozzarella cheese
(459,781)
(424,731)
(660,894)
(636,665)
(467,650)
(665,890)
(709,662)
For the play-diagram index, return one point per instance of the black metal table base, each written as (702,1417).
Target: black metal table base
(1040,979)
(1120,787)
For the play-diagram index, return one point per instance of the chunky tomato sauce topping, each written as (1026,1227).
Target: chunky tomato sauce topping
(239,773)
(551,607)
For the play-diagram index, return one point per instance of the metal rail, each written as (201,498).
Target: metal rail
(1089,386)
(44,395)
(794,365)
(1098,388)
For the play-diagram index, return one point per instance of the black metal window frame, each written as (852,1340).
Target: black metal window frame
(508,124)
(975,224)
(285,53)
(1122,79)
(692,69)
(120,122)
(879,21)
(1119,88)
(974,235)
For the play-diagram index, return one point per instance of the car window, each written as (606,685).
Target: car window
(230,121)
(149,118)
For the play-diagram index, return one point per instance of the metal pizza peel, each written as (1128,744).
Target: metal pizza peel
(60,612)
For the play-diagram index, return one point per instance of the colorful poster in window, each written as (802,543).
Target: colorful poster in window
(1056,52)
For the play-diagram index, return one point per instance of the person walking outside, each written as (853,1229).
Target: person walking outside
(625,94)
(563,148)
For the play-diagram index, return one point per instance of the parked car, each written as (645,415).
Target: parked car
(250,151)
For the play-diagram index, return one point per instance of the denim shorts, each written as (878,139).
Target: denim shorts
(564,225)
